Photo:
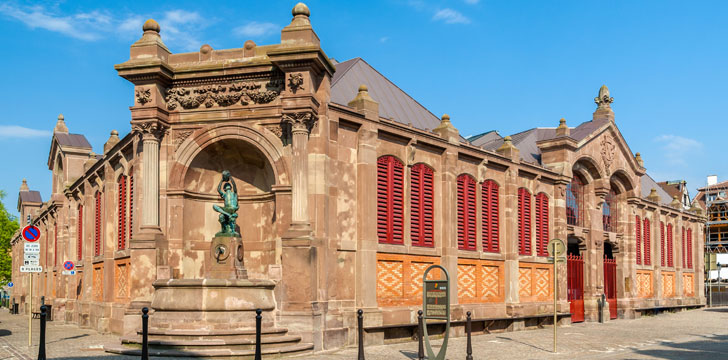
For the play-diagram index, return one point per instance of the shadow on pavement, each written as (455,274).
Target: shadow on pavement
(68,338)
(409,354)
(713,347)
(720,309)
(4,332)
(524,343)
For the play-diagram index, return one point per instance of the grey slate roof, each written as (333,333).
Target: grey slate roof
(393,102)
(75,140)
(648,183)
(30,196)
(484,138)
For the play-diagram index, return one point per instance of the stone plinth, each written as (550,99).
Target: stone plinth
(212,318)
(226,258)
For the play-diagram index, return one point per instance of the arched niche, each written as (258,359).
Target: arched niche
(255,177)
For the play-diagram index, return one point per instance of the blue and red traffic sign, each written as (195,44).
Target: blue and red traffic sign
(31,233)
(68,265)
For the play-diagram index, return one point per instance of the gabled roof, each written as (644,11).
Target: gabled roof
(393,102)
(484,138)
(648,183)
(75,140)
(673,188)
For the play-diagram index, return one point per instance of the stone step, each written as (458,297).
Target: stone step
(240,354)
(228,343)
(187,334)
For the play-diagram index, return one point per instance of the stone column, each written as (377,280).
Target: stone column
(151,133)
(299,125)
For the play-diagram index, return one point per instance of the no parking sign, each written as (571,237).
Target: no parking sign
(31,233)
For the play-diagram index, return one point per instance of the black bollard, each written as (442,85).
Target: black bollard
(145,333)
(468,329)
(360,321)
(258,321)
(420,334)
(41,342)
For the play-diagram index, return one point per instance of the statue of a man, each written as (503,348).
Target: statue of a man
(229,211)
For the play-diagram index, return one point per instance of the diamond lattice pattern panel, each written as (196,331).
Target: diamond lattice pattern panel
(399,278)
(668,284)
(480,281)
(644,283)
(535,282)
(98,282)
(688,288)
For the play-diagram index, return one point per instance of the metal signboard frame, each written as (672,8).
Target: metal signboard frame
(433,293)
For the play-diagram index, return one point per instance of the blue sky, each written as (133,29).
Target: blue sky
(506,66)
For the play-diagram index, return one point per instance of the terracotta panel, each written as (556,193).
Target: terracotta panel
(399,278)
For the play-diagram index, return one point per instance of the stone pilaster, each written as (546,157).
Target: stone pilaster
(299,125)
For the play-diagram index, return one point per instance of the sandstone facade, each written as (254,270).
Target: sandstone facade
(325,171)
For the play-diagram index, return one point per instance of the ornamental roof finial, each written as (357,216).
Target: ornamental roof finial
(603,100)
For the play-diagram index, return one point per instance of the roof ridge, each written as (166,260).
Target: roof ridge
(398,88)
(355,60)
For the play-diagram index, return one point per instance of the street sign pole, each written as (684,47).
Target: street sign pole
(30,312)
(556,290)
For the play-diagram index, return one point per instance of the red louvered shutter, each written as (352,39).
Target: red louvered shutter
(662,243)
(97,225)
(131,205)
(79,233)
(670,246)
(684,248)
(638,240)
(55,244)
(466,212)
(489,212)
(524,222)
(421,208)
(690,248)
(646,231)
(542,224)
(121,236)
(390,200)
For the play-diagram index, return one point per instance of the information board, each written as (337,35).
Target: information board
(436,299)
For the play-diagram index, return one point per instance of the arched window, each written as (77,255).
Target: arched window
(662,243)
(121,214)
(575,202)
(609,211)
(690,248)
(79,233)
(489,213)
(421,208)
(390,200)
(524,222)
(638,239)
(542,224)
(97,224)
(646,233)
(466,212)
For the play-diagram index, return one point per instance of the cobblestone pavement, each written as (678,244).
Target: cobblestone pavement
(696,334)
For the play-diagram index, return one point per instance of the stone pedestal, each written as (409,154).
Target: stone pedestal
(226,259)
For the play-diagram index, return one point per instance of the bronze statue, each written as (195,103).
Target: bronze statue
(229,211)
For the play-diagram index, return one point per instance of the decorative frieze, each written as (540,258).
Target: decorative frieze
(243,93)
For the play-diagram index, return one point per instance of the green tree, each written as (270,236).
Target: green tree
(8,226)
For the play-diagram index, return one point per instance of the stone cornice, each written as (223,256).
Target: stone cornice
(291,58)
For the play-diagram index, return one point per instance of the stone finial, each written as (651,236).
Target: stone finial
(603,100)
(151,25)
(299,31)
(675,202)
(24,186)
(365,104)
(508,149)
(446,130)
(249,48)
(653,196)
(150,45)
(113,140)
(60,125)
(563,130)
(638,159)
(696,209)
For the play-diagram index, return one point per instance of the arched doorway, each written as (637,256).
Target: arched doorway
(610,279)
(575,278)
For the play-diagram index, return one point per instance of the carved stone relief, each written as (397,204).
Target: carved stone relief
(295,82)
(411,151)
(181,136)
(607,152)
(143,96)
(244,93)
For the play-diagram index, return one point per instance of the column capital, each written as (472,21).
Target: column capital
(299,122)
(150,129)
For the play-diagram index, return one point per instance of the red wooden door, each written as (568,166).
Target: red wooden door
(610,285)
(575,286)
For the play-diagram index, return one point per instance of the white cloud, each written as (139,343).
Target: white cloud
(15,131)
(256,29)
(178,26)
(677,149)
(472,2)
(450,16)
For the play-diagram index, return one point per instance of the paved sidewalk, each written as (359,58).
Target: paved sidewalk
(696,334)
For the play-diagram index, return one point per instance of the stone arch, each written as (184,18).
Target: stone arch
(620,180)
(587,168)
(202,138)
(576,245)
